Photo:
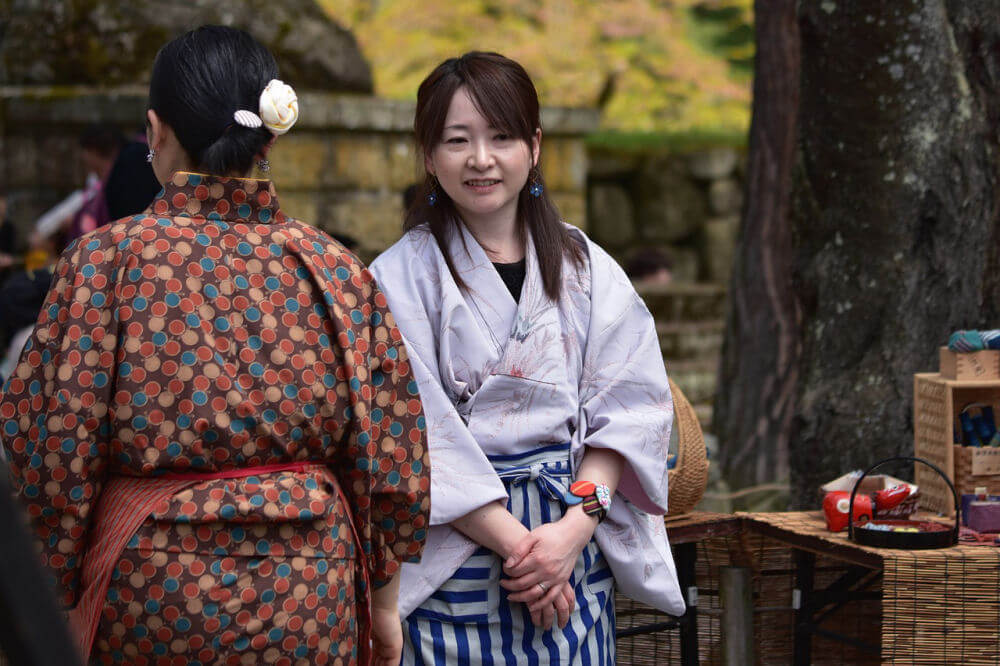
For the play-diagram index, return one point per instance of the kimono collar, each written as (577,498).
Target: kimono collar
(501,316)
(246,200)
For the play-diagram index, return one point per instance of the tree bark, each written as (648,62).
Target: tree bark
(892,225)
(894,211)
(758,375)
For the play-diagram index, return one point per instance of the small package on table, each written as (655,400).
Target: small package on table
(981,511)
(873,484)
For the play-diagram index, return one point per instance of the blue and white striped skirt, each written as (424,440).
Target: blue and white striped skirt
(469,620)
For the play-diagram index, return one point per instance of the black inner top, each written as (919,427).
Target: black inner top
(512,276)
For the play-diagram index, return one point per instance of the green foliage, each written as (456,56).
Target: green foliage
(650,66)
(725,28)
(697,138)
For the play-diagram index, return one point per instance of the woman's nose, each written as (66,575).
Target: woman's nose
(481,157)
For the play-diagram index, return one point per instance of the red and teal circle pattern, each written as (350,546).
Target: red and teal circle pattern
(210,333)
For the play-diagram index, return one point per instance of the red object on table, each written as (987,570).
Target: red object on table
(890,498)
(835,506)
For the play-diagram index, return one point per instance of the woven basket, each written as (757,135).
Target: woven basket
(687,480)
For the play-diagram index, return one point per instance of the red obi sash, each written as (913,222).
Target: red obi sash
(126,502)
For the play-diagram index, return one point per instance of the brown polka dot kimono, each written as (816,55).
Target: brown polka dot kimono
(213,333)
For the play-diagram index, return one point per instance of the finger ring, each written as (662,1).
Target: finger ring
(544,589)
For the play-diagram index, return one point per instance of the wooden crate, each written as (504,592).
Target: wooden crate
(937,402)
(969,366)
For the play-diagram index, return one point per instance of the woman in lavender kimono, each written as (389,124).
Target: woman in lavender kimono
(547,403)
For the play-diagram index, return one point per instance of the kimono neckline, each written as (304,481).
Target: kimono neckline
(199,195)
(502,317)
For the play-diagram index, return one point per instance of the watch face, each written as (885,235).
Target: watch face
(603,494)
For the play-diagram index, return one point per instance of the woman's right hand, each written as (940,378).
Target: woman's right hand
(387,636)
(559,610)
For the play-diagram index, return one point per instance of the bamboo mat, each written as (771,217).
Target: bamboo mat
(773,581)
(938,606)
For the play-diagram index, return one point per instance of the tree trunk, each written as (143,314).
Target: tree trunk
(758,375)
(893,227)
(894,211)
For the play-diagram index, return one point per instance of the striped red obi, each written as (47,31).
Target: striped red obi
(126,501)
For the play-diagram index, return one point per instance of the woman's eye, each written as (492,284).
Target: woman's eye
(502,137)
(456,139)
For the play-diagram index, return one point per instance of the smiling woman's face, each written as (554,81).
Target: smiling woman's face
(481,168)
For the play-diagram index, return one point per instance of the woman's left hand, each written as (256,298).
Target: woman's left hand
(547,556)
(387,636)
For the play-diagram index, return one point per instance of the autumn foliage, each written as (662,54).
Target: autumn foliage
(668,65)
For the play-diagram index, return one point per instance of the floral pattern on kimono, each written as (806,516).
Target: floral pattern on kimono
(502,377)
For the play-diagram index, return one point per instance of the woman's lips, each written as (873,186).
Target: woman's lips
(481,185)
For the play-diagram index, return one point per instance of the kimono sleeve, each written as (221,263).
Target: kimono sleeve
(463,478)
(54,410)
(387,467)
(625,396)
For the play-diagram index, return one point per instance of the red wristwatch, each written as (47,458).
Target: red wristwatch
(595,497)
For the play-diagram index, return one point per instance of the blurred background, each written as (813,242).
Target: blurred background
(647,106)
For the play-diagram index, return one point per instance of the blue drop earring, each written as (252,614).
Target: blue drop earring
(536,188)
(433,196)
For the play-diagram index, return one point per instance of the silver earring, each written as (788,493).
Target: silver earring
(264,165)
(149,156)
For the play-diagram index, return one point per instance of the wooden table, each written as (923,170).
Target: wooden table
(938,606)
(685,532)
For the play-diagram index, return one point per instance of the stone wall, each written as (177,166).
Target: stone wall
(687,204)
(343,167)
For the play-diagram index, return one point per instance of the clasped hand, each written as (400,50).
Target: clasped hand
(541,564)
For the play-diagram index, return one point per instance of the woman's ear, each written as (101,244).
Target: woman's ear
(154,130)
(536,146)
(428,165)
(265,149)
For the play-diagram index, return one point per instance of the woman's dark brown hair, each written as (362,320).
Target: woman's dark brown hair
(503,92)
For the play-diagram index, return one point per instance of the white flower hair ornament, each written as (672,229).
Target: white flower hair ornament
(279,107)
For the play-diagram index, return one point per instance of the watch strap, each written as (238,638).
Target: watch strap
(596,497)
(592,506)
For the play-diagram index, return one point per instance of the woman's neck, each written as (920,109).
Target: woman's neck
(500,238)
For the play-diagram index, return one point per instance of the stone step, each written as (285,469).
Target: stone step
(685,301)
(681,340)
(696,378)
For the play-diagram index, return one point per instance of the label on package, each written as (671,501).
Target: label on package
(985,461)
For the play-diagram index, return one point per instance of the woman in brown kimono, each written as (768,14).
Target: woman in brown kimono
(214,426)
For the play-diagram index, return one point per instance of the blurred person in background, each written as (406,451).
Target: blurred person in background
(8,239)
(85,209)
(213,425)
(100,145)
(131,183)
(127,189)
(649,266)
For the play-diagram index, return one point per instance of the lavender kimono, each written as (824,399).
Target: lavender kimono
(498,377)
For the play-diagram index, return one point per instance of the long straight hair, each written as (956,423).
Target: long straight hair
(503,92)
